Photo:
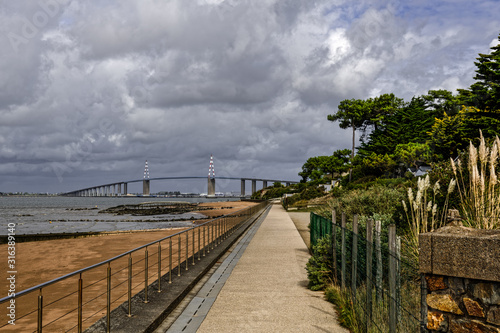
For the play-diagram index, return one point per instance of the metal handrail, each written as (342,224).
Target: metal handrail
(48,283)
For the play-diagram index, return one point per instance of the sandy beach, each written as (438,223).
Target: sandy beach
(38,262)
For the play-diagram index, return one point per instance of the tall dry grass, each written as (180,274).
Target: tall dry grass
(423,214)
(478,186)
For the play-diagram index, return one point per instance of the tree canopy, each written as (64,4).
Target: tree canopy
(317,167)
(484,94)
(398,134)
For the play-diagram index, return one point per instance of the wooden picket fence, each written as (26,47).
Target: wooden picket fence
(386,290)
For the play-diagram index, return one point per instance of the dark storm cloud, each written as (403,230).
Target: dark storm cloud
(89,90)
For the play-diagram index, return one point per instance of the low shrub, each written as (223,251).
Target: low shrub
(320,265)
(274,192)
(310,192)
(377,202)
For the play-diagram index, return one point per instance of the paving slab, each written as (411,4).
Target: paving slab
(267,287)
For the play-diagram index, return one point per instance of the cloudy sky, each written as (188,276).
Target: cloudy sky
(89,90)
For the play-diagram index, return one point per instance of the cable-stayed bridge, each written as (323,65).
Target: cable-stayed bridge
(121,188)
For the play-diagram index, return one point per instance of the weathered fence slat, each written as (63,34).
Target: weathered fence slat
(378,251)
(398,277)
(354,266)
(369,262)
(391,307)
(40,312)
(334,245)
(392,279)
(343,252)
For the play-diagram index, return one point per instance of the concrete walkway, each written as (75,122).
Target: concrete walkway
(301,221)
(267,289)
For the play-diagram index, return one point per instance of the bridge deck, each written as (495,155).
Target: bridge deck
(266,290)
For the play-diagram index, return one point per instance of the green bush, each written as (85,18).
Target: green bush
(274,192)
(377,200)
(320,265)
(310,192)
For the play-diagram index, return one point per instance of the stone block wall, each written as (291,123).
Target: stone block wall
(462,270)
(462,305)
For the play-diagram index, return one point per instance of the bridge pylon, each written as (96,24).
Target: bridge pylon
(146,181)
(211,178)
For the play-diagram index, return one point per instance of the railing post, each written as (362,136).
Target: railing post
(217,232)
(146,275)
(204,240)
(220,231)
(224,227)
(343,252)
(199,243)
(179,257)
(194,257)
(170,260)
(354,271)
(108,303)
(129,285)
(392,279)
(213,233)
(159,267)
(187,250)
(208,237)
(80,301)
(369,262)
(40,312)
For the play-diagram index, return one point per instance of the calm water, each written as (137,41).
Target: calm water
(33,215)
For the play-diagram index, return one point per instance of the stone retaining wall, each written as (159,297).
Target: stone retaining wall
(462,269)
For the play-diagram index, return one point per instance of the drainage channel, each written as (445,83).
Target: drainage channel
(193,315)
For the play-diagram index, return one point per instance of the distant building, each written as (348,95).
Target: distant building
(328,187)
(420,171)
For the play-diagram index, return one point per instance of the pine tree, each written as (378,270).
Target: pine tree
(411,122)
(485,93)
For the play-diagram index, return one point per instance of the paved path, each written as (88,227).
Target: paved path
(265,290)
(301,221)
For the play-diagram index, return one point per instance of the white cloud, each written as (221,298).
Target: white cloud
(338,45)
(101,86)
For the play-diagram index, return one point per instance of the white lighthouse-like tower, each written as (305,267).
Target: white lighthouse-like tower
(211,178)
(145,181)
